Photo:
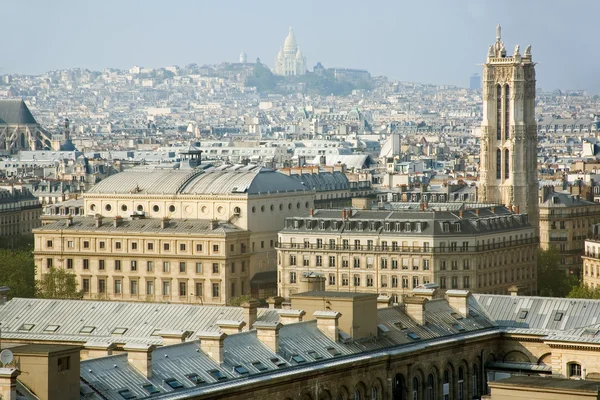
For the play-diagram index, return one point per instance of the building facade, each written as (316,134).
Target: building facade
(508,169)
(591,259)
(566,220)
(290,61)
(168,223)
(391,252)
(20,212)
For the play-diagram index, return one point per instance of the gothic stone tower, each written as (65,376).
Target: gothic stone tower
(508,169)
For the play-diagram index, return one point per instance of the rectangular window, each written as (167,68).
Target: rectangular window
(331,279)
(394,263)
(166,288)
(215,268)
(369,280)
(384,263)
(100,265)
(232,289)
(319,243)
(332,261)
(49,262)
(150,246)
(86,244)
(182,289)
(215,290)
(415,281)
(292,259)
(394,281)
(134,265)
(198,267)
(262,244)
(405,282)
(150,288)
(181,246)
(49,243)
(344,279)
(117,245)
(166,246)
(215,248)
(426,265)
(319,261)
(306,260)
(442,282)
(466,283)
(101,244)
(166,266)
(69,263)
(182,266)
(356,262)
(85,284)
(117,265)
(454,282)
(118,286)
(101,286)
(292,277)
(86,263)
(199,289)
(64,363)
(233,268)
(356,280)
(149,266)
(134,288)
(243,266)
(133,245)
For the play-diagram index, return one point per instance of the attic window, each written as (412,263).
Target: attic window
(195,378)
(241,370)
(298,358)
(150,388)
(334,352)
(382,328)
(126,394)
(119,331)
(218,375)
(26,327)
(413,336)
(278,362)
(589,332)
(315,355)
(456,315)
(523,314)
(398,324)
(51,328)
(87,329)
(259,366)
(458,327)
(174,383)
(558,316)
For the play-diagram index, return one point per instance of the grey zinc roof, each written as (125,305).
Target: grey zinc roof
(182,226)
(221,180)
(140,319)
(541,312)
(15,112)
(563,200)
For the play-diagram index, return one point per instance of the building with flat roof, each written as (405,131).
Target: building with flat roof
(20,212)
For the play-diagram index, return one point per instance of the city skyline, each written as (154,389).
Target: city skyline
(337,34)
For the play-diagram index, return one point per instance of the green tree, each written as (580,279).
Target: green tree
(58,284)
(239,300)
(17,271)
(552,281)
(584,292)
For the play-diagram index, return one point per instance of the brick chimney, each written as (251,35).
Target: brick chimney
(290,316)
(459,300)
(212,344)
(327,322)
(229,327)
(344,214)
(268,334)
(415,308)
(140,356)
(311,212)
(250,312)
(8,383)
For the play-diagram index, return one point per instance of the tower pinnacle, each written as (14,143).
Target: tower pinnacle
(498,33)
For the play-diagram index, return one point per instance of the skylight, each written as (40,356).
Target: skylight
(119,331)
(195,378)
(87,329)
(26,327)
(174,383)
(382,328)
(218,375)
(241,370)
(259,366)
(126,394)
(523,314)
(333,351)
(298,358)
(51,328)
(150,388)
(458,327)
(155,332)
(278,362)
(456,315)
(590,332)
(315,355)
(558,316)
(413,336)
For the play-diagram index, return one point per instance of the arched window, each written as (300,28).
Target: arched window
(498,164)
(430,388)
(415,389)
(374,393)
(357,394)
(461,386)
(474,381)
(446,386)
(506,112)
(506,163)
(574,370)
(498,112)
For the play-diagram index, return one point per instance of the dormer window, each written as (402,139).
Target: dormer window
(457,226)
(418,227)
(360,225)
(296,224)
(321,224)
(398,228)
(387,226)
(407,227)
(446,227)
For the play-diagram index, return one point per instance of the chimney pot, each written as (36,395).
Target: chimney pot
(230,327)
(250,312)
(164,223)
(268,334)
(344,214)
(415,308)
(212,344)
(140,356)
(459,300)
(328,322)
(290,316)
(311,212)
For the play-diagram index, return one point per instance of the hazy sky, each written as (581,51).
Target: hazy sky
(437,41)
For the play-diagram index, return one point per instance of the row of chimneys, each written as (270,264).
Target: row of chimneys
(415,305)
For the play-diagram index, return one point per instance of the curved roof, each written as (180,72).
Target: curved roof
(221,180)
(290,41)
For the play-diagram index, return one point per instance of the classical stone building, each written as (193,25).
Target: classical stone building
(176,235)
(391,252)
(591,258)
(290,61)
(508,169)
(20,212)
(19,130)
(565,222)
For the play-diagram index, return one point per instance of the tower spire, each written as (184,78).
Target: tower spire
(498,33)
